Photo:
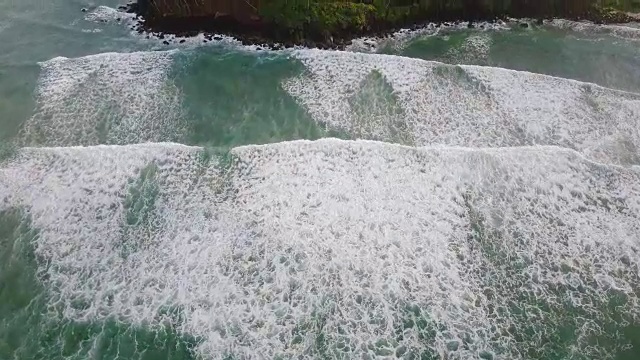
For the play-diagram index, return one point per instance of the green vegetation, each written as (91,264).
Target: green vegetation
(358,15)
(612,11)
(332,22)
(328,16)
(622,5)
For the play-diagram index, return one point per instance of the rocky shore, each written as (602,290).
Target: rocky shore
(270,34)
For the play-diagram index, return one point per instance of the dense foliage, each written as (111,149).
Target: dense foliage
(324,20)
(331,16)
(334,15)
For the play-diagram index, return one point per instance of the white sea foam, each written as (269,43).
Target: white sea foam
(474,48)
(108,14)
(105,14)
(620,31)
(399,39)
(376,248)
(113,98)
(465,105)
(197,41)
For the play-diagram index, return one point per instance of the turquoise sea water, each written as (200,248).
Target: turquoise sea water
(463,193)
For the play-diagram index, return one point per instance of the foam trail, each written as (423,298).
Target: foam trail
(263,252)
(441,104)
(112,98)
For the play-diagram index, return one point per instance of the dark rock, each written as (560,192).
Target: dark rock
(182,41)
(165,42)
(540,22)
(135,8)
(258,48)
(118,19)
(264,35)
(83,10)
(161,36)
(205,41)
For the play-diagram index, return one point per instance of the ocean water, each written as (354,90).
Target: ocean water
(449,193)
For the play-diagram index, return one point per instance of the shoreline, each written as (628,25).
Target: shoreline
(274,37)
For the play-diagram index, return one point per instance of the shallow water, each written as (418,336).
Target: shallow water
(479,198)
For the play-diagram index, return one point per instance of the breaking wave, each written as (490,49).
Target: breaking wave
(109,98)
(339,248)
(417,102)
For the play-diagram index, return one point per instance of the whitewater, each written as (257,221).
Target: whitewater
(210,201)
